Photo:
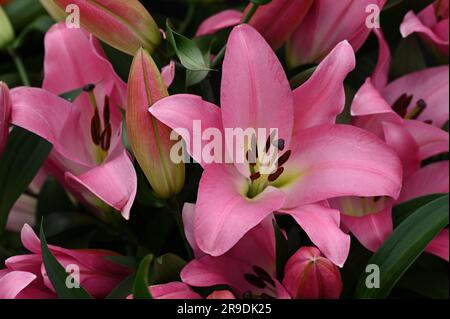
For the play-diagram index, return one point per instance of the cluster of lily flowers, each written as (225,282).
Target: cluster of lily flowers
(333,179)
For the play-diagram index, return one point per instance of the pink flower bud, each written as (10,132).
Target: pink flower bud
(309,275)
(123,24)
(149,138)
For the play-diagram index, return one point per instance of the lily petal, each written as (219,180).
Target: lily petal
(219,21)
(313,219)
(5,114)
(339,160)
(114,182)
(431,140)
(432,179)
(173,290)
(399,139)
(224,214)
(439,245)
(371,230)
(255,92)
(182,113)
(430,85)
(14,282)
(321,99)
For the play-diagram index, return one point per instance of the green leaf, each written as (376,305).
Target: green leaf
(57,274)
(53,198)
(23,12)
(71,95)
(21,160)
(404,210)
(408,58)
(195,77)
(428,277)
(167,268)
(404,246)
(40,24)
(261,2)
(141,283)
(124,289)
(188,52)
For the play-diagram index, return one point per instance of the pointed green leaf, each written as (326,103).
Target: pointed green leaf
(141,282)
(57,274)
(21,160)
(404,246)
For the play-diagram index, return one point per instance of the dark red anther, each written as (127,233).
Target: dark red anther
(106,111)
(269,141)
(255,176)
(400,106)
(95,128)
(255,281)
(284,158)
(273,177)
(89,87)
(106,138)
(264,275)
(280,144)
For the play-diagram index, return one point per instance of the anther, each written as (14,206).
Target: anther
(264,275)
(89,87)
(400,106)
(269,141)
(255,281)
(95,128)
(421,105)
(280,144)
(273,177)
(284,158)
(106,111)
(255,176)
(106,138)
(376,198)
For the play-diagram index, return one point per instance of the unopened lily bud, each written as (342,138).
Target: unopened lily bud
(124,24)
(149,138)
(53,10)
(6,30)
(309,275)
(5,113)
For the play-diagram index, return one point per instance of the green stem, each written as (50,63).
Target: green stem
(20,67)
(246,19)
(174,207)
(187,21)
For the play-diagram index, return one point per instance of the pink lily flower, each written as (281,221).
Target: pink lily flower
(5,114)
(25,276)
(328,23)
(309,275)
(88,156)
(432,24)
(276,21)
(249,269)
(315,163)
(407,113)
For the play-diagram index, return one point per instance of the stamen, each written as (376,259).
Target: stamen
(251,157)
(280,144)
(106,111)
(255,176)
(284,158)
(264,275)
(255,281)
(95,128)
(89,87)
(269,141)
(273,177)
(400,106)
(376,198)
(106,138)
(421,105)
